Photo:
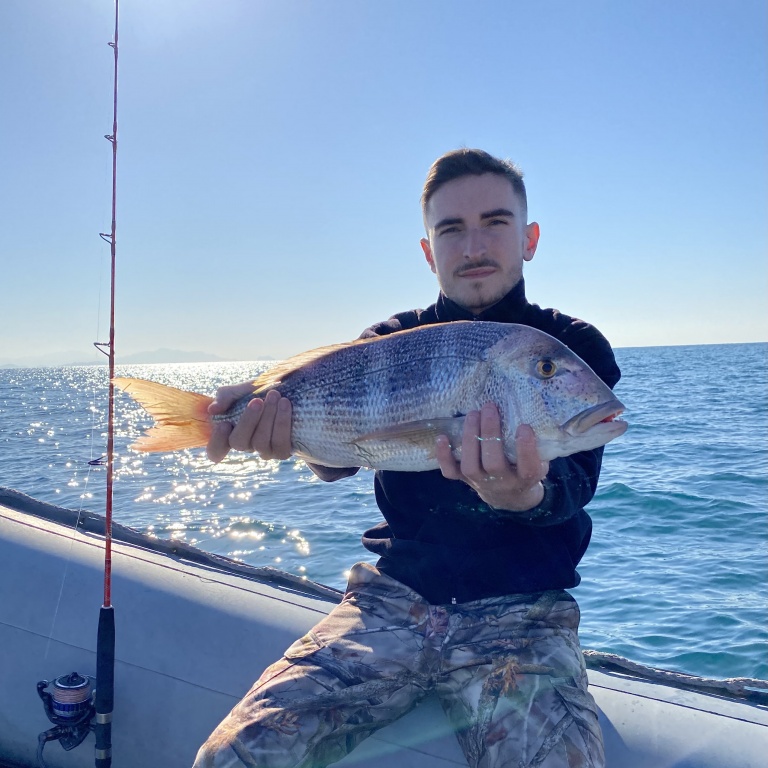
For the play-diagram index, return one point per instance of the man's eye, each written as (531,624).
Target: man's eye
(497,221)
(449,230)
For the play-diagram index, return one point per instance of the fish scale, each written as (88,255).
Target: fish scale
(390,384)
(342,400)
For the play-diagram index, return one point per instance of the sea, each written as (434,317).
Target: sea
(676,575)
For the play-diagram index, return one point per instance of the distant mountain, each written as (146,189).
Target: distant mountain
(139,358)
(53,359)
(170,356)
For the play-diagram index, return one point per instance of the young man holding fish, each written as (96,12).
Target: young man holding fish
(467,599)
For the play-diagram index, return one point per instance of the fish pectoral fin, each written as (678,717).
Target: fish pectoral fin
(422,433)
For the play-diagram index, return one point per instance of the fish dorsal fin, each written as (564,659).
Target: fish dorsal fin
(279,371)
(422,433)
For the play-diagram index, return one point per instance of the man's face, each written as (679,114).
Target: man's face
(478,239)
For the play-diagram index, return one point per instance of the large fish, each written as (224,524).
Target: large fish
(381,402)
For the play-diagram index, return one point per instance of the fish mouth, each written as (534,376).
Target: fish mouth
(601,413)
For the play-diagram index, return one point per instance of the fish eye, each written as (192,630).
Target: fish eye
(546,368)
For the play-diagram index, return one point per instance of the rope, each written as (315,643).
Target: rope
(749,688)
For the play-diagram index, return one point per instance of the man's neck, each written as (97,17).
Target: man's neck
(508,309)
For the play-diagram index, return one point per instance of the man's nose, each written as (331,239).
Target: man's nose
(474,243)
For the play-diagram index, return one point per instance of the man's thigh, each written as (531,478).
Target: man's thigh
(517,690)
(353,673)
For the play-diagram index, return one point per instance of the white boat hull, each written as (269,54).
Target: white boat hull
(192,638)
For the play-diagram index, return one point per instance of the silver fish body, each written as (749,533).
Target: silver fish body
(381,402)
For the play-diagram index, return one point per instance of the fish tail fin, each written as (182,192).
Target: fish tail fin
(181,418)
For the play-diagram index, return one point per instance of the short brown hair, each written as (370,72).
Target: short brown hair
(470,162)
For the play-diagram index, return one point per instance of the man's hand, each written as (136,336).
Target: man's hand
(484,466)
(264,427)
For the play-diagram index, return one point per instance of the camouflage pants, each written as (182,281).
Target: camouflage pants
(508,671)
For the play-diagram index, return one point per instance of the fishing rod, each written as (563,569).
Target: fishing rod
(105,643)
(71,704)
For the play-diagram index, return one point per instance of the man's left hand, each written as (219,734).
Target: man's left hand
(485,467)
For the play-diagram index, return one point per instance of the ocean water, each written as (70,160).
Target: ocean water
(676,575)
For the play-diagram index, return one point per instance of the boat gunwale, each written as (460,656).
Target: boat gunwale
(92,522)
(746,691)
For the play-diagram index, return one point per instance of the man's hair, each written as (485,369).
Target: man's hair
(470,162)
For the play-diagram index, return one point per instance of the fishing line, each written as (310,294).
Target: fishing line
(91,464)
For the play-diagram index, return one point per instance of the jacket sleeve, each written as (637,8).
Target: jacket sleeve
(569,486)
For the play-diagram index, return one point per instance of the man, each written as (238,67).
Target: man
(467,599)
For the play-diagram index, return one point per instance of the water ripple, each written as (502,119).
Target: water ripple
(677,571)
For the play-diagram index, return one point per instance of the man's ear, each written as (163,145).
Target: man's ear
(425,246)
(532,234)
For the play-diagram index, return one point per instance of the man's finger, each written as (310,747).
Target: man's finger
(218,445)
(261,440)
(492,456)
(281,431)
(448,465)
(240,438)
(471,465)
(226,396)
(530,468)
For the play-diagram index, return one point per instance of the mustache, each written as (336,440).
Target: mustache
(479,264)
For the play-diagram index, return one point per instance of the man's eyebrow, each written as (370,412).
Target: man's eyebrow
(448,222)
(451,221)
(497,212)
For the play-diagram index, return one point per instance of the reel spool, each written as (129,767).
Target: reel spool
(70,707)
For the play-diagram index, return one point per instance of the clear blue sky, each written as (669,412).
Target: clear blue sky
(272,154)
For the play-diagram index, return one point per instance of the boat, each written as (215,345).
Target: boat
(195,630)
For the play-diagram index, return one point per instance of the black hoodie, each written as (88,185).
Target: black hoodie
(442,540)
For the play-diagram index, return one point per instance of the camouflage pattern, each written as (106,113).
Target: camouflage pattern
(508,671)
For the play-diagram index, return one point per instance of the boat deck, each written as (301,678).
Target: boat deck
(191,605)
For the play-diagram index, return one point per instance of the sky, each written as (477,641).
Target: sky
(272,154)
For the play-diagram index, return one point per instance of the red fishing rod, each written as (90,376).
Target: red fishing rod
(105,644)
(71,704)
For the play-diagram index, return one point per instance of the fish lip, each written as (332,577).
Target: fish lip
(585,420)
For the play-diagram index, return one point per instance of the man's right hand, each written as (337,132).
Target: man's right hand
(264,427)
